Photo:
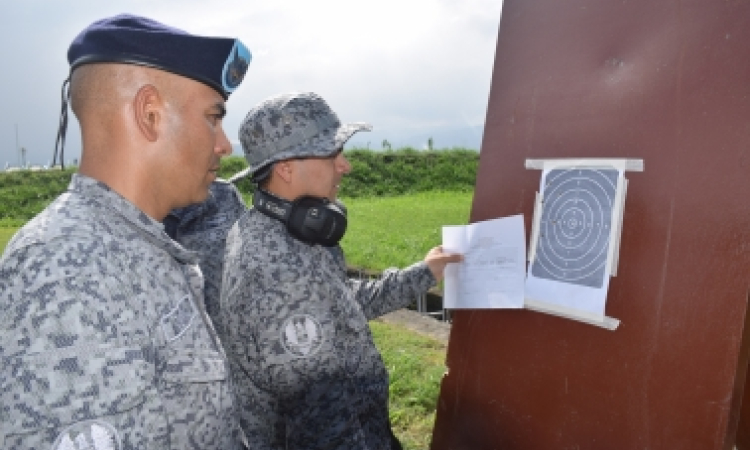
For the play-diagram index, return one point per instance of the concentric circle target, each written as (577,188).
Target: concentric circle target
(575,226)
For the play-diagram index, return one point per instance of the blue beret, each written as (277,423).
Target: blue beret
(218,62)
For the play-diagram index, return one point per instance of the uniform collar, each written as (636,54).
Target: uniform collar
(150,229)
(188,213)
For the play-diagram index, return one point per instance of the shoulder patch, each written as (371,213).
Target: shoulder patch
(301,335)
(88,435)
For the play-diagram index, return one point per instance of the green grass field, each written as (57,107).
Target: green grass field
(397,231)
(385,231)
(416,365)
(5,235)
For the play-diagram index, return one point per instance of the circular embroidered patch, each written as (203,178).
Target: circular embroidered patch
(301,335)
(88,435)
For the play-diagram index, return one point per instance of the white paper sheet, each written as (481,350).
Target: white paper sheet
(493,271)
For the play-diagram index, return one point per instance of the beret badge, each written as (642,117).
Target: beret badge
(235,67)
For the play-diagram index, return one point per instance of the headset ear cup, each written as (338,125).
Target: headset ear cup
(340,205)
(337,227)
(312,220)
(316,221)
(297,226)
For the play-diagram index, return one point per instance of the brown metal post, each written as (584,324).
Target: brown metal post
(667,82)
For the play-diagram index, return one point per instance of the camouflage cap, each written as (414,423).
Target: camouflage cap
(292,125)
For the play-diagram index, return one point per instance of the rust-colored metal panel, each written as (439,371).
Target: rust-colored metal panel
(667,82)
(742,383)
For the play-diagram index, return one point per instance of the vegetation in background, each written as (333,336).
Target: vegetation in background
(381,232)
(24,193)
(5,235)
(387,232)
(393,172)
(232,165)
(416,366)
(408,171)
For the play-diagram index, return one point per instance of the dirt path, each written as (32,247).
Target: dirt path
(419,323)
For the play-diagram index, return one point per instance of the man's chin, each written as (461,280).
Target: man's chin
(202,198)
(197,198)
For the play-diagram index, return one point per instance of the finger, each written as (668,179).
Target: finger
(447,258)
(453,257)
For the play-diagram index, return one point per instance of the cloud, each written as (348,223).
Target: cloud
(412,68)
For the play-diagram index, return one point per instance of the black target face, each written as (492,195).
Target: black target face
(575,226)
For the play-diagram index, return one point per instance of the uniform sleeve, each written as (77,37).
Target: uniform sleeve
(396,289)
(293,387)
(259,410)
(76,365)
(258,407)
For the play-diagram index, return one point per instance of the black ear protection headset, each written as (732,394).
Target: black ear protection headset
(312,220)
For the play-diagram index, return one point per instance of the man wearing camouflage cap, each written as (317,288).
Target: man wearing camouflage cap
(104,341)
(306,370)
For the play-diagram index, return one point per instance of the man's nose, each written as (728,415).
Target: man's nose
(342,164)
(223,146)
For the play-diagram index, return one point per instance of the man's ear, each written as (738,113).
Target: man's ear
(284,170)
(148,111)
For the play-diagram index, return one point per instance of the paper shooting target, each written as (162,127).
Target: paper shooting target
(575,226)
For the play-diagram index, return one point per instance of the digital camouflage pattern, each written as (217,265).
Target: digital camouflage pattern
(304,364)
(299,124)
(104,342)
(203,228)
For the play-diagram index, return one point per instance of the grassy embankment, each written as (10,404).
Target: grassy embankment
(5,235)
(24,194)
(416,365)
(397,231)
(397,202)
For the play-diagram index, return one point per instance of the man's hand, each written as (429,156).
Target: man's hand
(437,259)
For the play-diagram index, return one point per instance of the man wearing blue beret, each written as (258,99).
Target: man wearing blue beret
(104,340)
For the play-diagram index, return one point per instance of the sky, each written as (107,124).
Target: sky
(414,69)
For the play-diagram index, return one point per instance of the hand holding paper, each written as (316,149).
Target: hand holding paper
(437,259)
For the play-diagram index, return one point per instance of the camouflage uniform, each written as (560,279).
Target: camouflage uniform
(104,342)
(203,228)
(305,368)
